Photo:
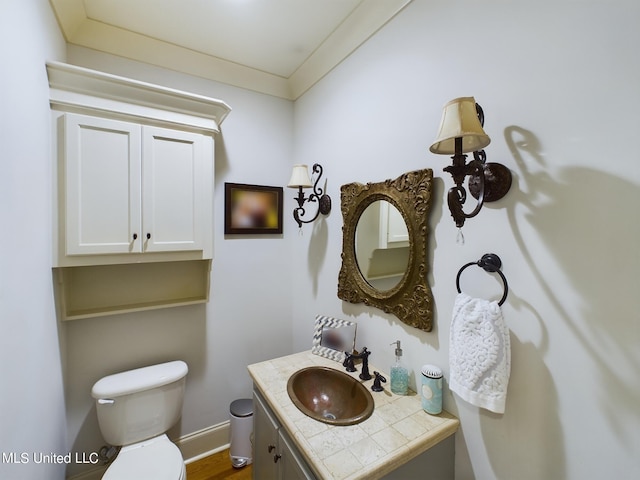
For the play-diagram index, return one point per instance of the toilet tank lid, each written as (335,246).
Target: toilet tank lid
(145,378)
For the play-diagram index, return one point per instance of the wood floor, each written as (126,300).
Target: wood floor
(217,467)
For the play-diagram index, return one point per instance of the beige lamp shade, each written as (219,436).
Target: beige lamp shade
(300,177)
(460,120)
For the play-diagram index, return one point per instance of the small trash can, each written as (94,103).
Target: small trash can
(241,432)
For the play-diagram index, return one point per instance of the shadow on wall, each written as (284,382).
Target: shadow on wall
(317,251)
(581,215)
(585,223)
(436,212)
(538,449)
(221,164)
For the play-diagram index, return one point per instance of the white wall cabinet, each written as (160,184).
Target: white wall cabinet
(131,188)
(134,169)
(133,192)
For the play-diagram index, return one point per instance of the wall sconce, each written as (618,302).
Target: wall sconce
(461,132)
(300,180)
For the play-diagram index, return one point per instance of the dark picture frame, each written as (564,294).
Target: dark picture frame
(252,209)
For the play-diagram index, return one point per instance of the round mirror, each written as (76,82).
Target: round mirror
(382,245)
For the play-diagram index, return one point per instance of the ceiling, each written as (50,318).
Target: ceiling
(277,47)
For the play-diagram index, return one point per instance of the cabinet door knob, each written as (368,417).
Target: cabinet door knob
(135,236)
(148,236)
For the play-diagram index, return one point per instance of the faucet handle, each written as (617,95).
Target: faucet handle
(348,362)
(376,387)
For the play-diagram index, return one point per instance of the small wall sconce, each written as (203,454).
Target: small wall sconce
(461,132)
(300,180)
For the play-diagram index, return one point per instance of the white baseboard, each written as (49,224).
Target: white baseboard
(193,446)
(204,442)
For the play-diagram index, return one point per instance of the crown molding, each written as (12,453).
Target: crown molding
(78,87)
(356,29)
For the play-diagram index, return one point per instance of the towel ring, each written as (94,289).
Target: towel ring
(490,262)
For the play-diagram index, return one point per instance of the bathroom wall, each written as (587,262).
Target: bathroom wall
(32,417)
(559,85)
(248,318)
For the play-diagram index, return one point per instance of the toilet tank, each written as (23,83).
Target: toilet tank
(139,404)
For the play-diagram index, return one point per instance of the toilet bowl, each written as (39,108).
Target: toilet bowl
(157,459)
(135,409)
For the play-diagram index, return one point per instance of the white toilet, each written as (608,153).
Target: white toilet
(135,409)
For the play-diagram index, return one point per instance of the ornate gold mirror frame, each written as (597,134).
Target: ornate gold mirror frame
(411,299)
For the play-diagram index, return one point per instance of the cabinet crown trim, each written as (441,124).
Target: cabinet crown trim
(72,85)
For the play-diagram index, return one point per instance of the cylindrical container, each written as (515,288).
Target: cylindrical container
(432,389)
(241,432)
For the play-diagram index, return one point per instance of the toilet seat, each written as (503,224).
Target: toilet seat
(154,459)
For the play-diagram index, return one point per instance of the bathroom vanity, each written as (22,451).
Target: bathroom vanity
(398,441)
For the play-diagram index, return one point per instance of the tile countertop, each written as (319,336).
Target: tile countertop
(398,430)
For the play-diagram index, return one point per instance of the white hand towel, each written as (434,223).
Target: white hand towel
(479,353)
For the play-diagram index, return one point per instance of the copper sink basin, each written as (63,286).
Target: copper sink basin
(330,396)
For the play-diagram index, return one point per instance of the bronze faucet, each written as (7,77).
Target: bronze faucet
(364,355)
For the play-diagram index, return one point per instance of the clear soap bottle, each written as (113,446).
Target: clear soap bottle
(399,373)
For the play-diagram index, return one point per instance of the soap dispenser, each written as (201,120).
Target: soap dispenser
(399,373)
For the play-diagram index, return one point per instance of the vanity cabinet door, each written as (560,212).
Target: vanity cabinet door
(292,466)
(275,457)
(101,178)
(265,442)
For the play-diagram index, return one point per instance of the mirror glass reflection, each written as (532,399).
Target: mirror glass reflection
(382,245)
(340,338)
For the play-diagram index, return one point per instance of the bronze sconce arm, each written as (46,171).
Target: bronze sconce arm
(461,131)
(300,180)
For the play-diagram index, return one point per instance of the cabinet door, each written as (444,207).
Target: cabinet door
(265,442)
(292,466)
(101,185)
(173,190)
(393,229)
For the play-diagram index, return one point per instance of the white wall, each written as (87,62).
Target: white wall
(248,318)
(559,85)
(32,402)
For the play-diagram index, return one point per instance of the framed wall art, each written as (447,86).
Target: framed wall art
(252,209)
(332,337)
